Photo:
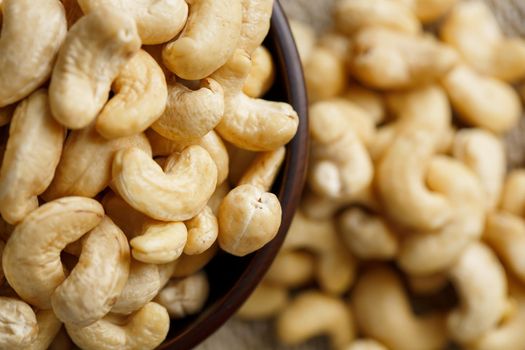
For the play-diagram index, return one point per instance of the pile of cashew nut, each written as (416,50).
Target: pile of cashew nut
(119,123)
(408,194)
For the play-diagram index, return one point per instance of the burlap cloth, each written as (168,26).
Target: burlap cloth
(240,335)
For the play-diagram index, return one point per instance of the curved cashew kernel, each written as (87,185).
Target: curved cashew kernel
(266,301)
(262,73)
(160,242)
(190,264)
(92,288)
(352,15)
(31,258)
(210,37)
(484,154)
(157,21)
(505,233)
(32,154)
(256,16)
(103,42)
(513,194)
(48,327)
(179,194)
(215,200)
(248,218)
(325,74)
(184,297)
(377,296)
(73,11)
(85,166)
(429,284)
(31,38)
(18,324)
(370,101)
(427,252)
(493,54)
(367,236)
(481,283)
(146,329)
(304,37)
(312,314)
(386,59)
(365,344)
(264,169)
(203,230)
(481,100)
(6,114)
(291,269)
(191,114)
(248,123)
(140,97)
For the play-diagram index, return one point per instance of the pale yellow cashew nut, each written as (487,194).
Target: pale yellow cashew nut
(262,73)
(211,35)
(370,101)
(144,330)
(291,269)
(325,74)
(48,327)
(18,324)
(256,16)
(158,21)
(377,297)
(264,169)
(203,231)
(85,165)
(266,301)
(31,38)
(159,242)
(94,284)
(178,194)
(215,200)
(312,314)
(31,258)
(190,264)
(140,97)
(513,194)
(31,157)
(102,42)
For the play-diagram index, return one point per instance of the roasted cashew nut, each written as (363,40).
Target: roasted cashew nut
(262,73)
(159,242)
(145,329)
(140,97)
(85,165)
(252,124)
(377,297)
(31,38)
(211,35)
(48,327)
(291,269)
(266,301)
(32,154)
(18,324)
(203,230)
(94,284)
(158,21)
(184,297)
(178,194)
(312,314)
(103,42)
(31,258)
(191,114)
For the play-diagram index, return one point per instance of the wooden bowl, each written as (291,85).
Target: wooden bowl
(232,279)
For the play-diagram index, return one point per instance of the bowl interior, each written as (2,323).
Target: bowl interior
(231,278)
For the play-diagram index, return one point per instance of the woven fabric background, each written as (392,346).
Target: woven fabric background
(240,335)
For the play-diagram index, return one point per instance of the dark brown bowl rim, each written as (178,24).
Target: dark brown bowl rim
(289,193)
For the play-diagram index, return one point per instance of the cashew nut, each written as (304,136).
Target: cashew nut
(248,123)
(291,269)
(325,74)
(265,301)
(145,329)
(140,98)
(493,54)
(211,35)
(215,200)
(203,230)
(184,297)
(368,236)
(382,311)
(31,38)
(481,100)
(513,194)
(190,264)
(256,16)
(48,327)
(85,165)
(481,283)
(262,73)
(264,169)
(352,15)
(160,242)
(370,101)
(304,37)
(312,314)
(32,154)
(31,258)
(386,59)
(179,194)
(18,324)
(365,344)
(102,42)
(157,21)
(431,10)
(191,114)
(335,42)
